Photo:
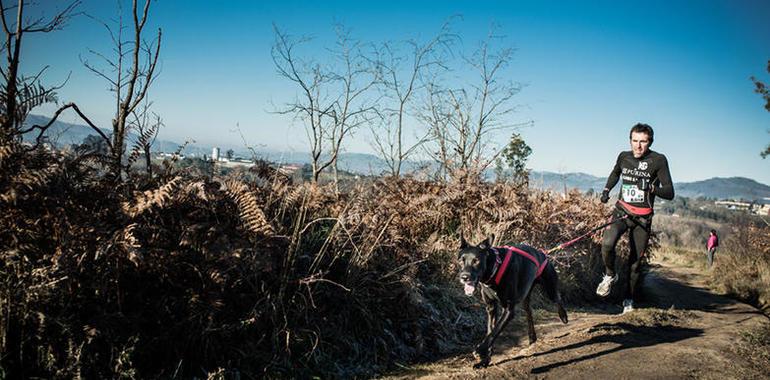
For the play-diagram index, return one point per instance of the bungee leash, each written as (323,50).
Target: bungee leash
(583,236)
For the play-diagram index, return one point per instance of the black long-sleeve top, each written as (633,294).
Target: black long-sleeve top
(652,167)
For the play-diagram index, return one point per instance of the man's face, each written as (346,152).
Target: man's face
(640,143)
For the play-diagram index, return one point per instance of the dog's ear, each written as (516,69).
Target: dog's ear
(484,244)
(463,243)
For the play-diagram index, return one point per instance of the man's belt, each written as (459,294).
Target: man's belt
(638,211)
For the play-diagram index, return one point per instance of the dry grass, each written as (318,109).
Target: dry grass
(653,317)
(182,275)
(742,265)
(683,256)
(687,233)
(753,348)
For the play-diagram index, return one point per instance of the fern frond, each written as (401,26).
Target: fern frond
(145,138)
(131,244)
(196,189)
(249,211)
(293,197)
(28,181)
(7,151)
(31,96)
(151,198)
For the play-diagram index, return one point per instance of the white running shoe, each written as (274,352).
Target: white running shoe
(628,305)
(603,290)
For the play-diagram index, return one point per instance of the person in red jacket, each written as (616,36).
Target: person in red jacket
(643,175)
(711,246)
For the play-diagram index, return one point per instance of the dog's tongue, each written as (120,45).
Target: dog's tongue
(469,288)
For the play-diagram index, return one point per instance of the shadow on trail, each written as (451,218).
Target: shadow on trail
(664,290)
(625,335)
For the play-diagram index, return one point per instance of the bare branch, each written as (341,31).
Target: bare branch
(3,9)
(55,116)
(148,74)
(56,23)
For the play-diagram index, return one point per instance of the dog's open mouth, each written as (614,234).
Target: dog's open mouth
(469,288)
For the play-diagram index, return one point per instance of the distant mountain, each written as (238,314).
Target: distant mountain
(61,134)
(717,188)
(558,181)
(723,188)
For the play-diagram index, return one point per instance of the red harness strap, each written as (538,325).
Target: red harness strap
(508,253)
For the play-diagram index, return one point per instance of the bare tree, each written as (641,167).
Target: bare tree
(20,93)
(130,72)
(311,105)
(353,77)
(331,102)
(401,79)
(462,120)
(762,89)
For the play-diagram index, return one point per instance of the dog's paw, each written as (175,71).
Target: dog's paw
(481,352)
(483,363)
(563,315)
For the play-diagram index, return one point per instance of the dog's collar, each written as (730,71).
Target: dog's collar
(495,267)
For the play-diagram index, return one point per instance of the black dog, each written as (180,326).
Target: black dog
(506,275)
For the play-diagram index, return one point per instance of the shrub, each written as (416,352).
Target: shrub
(183,274)
(742,265)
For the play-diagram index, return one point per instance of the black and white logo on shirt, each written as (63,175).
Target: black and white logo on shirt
(642,165)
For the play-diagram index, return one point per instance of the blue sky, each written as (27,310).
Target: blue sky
(592,69)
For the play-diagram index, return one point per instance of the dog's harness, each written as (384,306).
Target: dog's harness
(498,270)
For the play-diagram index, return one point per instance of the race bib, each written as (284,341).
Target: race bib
(632,194)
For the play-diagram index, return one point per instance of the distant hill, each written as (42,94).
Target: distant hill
(61,134)
(558,181)
(719,188)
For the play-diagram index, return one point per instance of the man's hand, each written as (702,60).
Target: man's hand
(605,196)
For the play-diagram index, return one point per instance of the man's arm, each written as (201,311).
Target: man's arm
(612,180)
(665,187)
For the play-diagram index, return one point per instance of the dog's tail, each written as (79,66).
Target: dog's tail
(551,284)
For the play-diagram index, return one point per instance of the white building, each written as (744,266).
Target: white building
(762,206)
(215,154)
(734,205)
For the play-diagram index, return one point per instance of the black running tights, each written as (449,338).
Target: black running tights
(638,228)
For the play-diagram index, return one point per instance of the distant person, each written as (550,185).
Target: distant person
(711,246)
(645,175)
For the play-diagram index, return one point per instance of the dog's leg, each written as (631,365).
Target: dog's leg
(491,317)
(484,349)
(550,281)
(530,322)
(491,303)
(562,313)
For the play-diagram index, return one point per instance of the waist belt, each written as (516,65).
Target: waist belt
(641,211)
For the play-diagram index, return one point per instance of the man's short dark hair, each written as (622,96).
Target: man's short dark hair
(642,128)
(714,232)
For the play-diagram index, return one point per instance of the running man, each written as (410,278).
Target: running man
(644,175)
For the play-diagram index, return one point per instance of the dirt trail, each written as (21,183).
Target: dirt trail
(681,331)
